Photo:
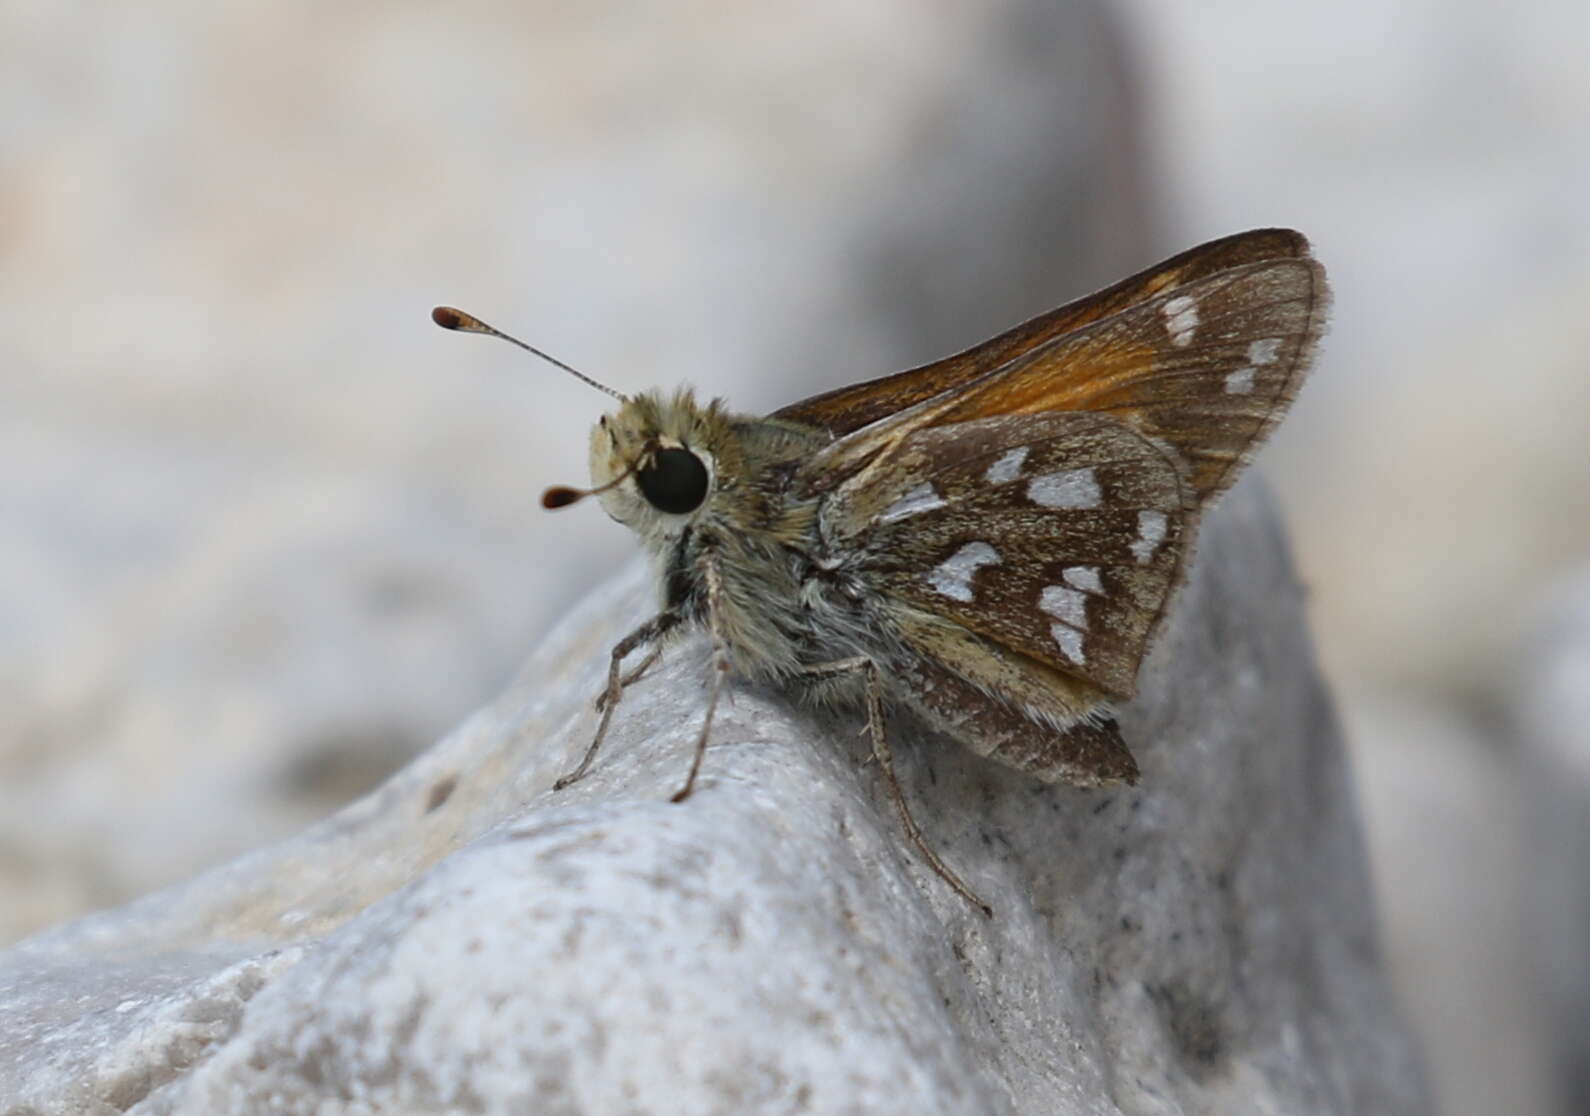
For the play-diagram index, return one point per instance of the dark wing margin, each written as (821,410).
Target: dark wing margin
(1086,752)
(850,408)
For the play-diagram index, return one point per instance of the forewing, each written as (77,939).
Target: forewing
(850,408)
(1057,537)
(1208,368)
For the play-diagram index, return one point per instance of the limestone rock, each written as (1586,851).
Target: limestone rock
(1551,712)
(465,939)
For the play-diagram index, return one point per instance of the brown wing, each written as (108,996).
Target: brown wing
(1207,369)
(850,408)
(1057,537)
(1011,724)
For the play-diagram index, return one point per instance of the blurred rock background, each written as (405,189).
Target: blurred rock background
(265,532)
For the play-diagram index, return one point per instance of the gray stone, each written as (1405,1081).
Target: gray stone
(1551,709)
(1442,807)
(464,939)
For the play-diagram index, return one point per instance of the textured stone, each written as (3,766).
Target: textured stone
(1444,813)
(464,939)
(1551,713)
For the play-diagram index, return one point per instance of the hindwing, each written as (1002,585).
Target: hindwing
(1058,537)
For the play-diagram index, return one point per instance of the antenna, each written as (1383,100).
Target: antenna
(561,495)
(457,320)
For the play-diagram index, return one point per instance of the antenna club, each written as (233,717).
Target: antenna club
(448,318)
(560,496)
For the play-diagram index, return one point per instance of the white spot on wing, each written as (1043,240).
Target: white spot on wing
(923,498)
(1150,533)
(1072,488)
(1181,319)
(1069,640)
(1008,467)
(953,576)
(1240,382)
(1085,578)
(1070,605)
(1263,351)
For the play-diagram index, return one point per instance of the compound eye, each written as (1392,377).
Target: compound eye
(673,481)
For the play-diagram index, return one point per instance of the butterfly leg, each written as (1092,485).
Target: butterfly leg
(720,668)
(650,632)
(884,754)
(632,677)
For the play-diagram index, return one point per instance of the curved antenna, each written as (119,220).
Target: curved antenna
(449,318)
(561,495)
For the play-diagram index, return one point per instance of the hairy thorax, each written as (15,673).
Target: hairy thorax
(785,606)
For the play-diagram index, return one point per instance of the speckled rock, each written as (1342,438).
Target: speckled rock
(465,939)
(1551,712)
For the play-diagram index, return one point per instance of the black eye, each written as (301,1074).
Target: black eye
(674,481)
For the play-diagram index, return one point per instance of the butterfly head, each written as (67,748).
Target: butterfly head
(655,462)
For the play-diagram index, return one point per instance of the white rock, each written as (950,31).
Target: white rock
(1442,807)
(465,939)
(1551,712)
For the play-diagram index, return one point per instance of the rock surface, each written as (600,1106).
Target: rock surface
(1551,709)
(464,939)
